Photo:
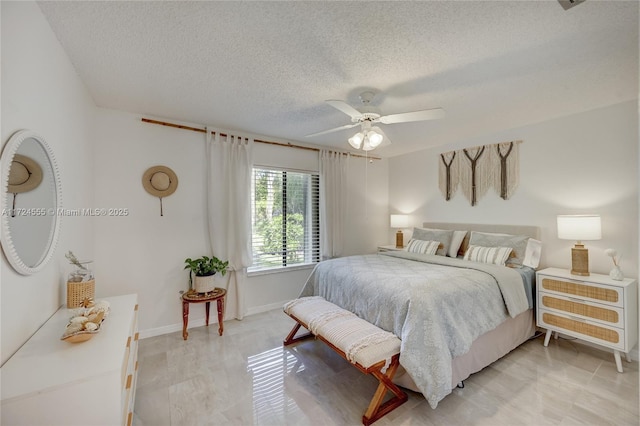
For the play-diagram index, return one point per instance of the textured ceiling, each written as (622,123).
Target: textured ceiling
(267,67)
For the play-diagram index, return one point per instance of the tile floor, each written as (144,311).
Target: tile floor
(246,377)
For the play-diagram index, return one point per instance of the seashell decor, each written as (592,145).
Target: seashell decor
(85,321)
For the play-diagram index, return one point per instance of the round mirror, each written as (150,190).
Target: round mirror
(31,194)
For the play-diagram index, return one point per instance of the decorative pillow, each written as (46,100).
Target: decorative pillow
(424,247)
(517,242)
(494,255)
(456,242)
(532,253)
(426,234)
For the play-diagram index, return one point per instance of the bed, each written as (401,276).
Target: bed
(453,315)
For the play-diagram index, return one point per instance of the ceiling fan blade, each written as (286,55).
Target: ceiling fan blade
(427,114)
(346,108)
(346,126)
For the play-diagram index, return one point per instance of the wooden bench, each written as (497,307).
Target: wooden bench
(366,346)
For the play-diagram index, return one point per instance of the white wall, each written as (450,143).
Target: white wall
(582,163)
(41,92)
(144,253)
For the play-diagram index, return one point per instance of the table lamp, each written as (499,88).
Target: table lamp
(399,221)
(579,228)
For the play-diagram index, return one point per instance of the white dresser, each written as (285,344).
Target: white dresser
(594,308)
(49,381)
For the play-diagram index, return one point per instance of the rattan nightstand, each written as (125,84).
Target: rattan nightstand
(594,308)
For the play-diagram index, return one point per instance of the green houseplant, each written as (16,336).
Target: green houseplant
(204,268)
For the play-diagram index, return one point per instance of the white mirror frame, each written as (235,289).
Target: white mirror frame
(6,239)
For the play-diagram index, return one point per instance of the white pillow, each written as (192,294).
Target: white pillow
(456,242)
(532,253)
(424,247)
(489,239)
(442,235)
(494,255)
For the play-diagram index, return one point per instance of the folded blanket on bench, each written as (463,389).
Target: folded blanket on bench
(361,342)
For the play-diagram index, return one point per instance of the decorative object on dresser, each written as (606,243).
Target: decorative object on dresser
(479,168)
(47,381)
(596,309)
(160,181)
(616,272)
(399,221)
(204,269)
(583,227)
(81,284)
(86,321)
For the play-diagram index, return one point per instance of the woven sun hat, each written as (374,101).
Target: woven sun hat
(24,175)
(160,181)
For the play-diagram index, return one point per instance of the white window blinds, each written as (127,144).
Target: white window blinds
(285,218)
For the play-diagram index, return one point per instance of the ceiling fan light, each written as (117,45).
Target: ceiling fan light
(374,138)
(366,146)
(356,140)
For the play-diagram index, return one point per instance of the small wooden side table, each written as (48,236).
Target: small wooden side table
(192,297)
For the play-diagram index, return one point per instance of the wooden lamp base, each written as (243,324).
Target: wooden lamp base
(579,260)
(399,239)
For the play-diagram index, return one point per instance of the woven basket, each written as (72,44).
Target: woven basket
(78,291)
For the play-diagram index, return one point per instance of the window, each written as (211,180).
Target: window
(285,213)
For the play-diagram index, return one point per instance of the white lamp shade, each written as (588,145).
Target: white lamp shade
(366,146)
(375,138)
(356,140)
(399,221)
(579,227)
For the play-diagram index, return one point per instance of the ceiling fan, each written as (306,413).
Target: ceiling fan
(370,136)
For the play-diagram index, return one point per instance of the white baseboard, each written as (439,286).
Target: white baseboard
(265,308)
(172,328)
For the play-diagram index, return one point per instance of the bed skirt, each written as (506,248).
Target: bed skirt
(485,350)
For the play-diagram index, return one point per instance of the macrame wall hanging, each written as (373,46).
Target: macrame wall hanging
(479,168)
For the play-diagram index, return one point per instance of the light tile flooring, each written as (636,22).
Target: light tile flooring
(246,377)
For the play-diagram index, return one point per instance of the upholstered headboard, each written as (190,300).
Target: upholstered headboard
(530,231)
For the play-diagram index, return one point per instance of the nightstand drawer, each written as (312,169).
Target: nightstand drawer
(609,315)
(583,329)
(583,290)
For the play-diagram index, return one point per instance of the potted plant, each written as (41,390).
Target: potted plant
(204,269)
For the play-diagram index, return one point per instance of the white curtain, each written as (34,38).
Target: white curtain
(333,202)
(229,163)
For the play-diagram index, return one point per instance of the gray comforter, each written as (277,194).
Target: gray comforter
(435,304)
